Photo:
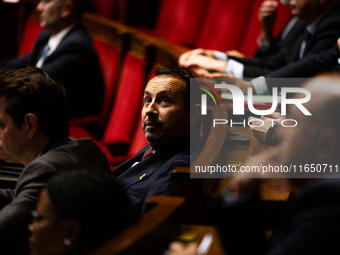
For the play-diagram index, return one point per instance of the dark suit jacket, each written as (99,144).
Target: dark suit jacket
(326,33)
(277,44)
(337,68)
(311,227)
(156,171)
(74,62)
(17,204)
(325,61)
(309,66)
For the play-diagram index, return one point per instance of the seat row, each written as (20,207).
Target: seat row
(219,24)
(128,60)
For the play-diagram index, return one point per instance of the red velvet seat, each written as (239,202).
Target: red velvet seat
(108,58)
(105,8)
(32,30)
(224,25)
(127,105)
(138,142)
(180,21)
(249,40)
(152,73)
(119,130)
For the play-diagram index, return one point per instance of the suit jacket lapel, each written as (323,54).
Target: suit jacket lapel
(62,42)
(127,164)
(38,48)
(128,176)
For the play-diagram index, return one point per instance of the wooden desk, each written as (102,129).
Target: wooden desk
(235,152)
(271,189)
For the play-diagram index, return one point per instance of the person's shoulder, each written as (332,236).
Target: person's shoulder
(43,37)
(182,158)
(330,19)
(74,153)
(78,34)
(59,150)
(35,170)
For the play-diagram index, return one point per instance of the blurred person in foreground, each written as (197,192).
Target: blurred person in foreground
(77,212)
(34,132)
(311,221)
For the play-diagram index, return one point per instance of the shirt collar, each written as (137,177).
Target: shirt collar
(55,40)
(312,27)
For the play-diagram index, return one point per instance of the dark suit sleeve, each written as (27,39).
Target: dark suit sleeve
(326,34)
(15,64)
(27,60)
(337,68)
(255,67)
(15,217)
(76,65)
(6,196)
(309,66)
(313,222)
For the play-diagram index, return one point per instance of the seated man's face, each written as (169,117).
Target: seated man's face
(11,137)
(164,115)
(50,11)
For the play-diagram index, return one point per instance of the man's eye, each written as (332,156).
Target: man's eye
(165,100)
(147,100)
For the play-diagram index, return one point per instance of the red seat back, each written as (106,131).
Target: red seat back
(108,58)
(32,30)
(105,8)
(127,104)
(180,21)
(139,140)
(224,24)
(249,40)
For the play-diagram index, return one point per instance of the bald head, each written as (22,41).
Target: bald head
(315,139)
(325,100)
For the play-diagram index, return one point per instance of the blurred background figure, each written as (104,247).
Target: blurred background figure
(78,211)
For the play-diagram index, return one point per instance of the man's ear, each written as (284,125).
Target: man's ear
(73,231)
(327,144)
(195,113)
(66,9)
(31,124)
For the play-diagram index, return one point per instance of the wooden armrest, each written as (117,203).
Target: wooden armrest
(158,223)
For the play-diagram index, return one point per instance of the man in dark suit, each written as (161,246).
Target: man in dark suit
(65,50)
(322,30)
(324,61)
(311,222)
(168,118)
(34,132)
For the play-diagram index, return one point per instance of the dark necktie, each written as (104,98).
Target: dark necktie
(44,53)
(306,37)
(147,153)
